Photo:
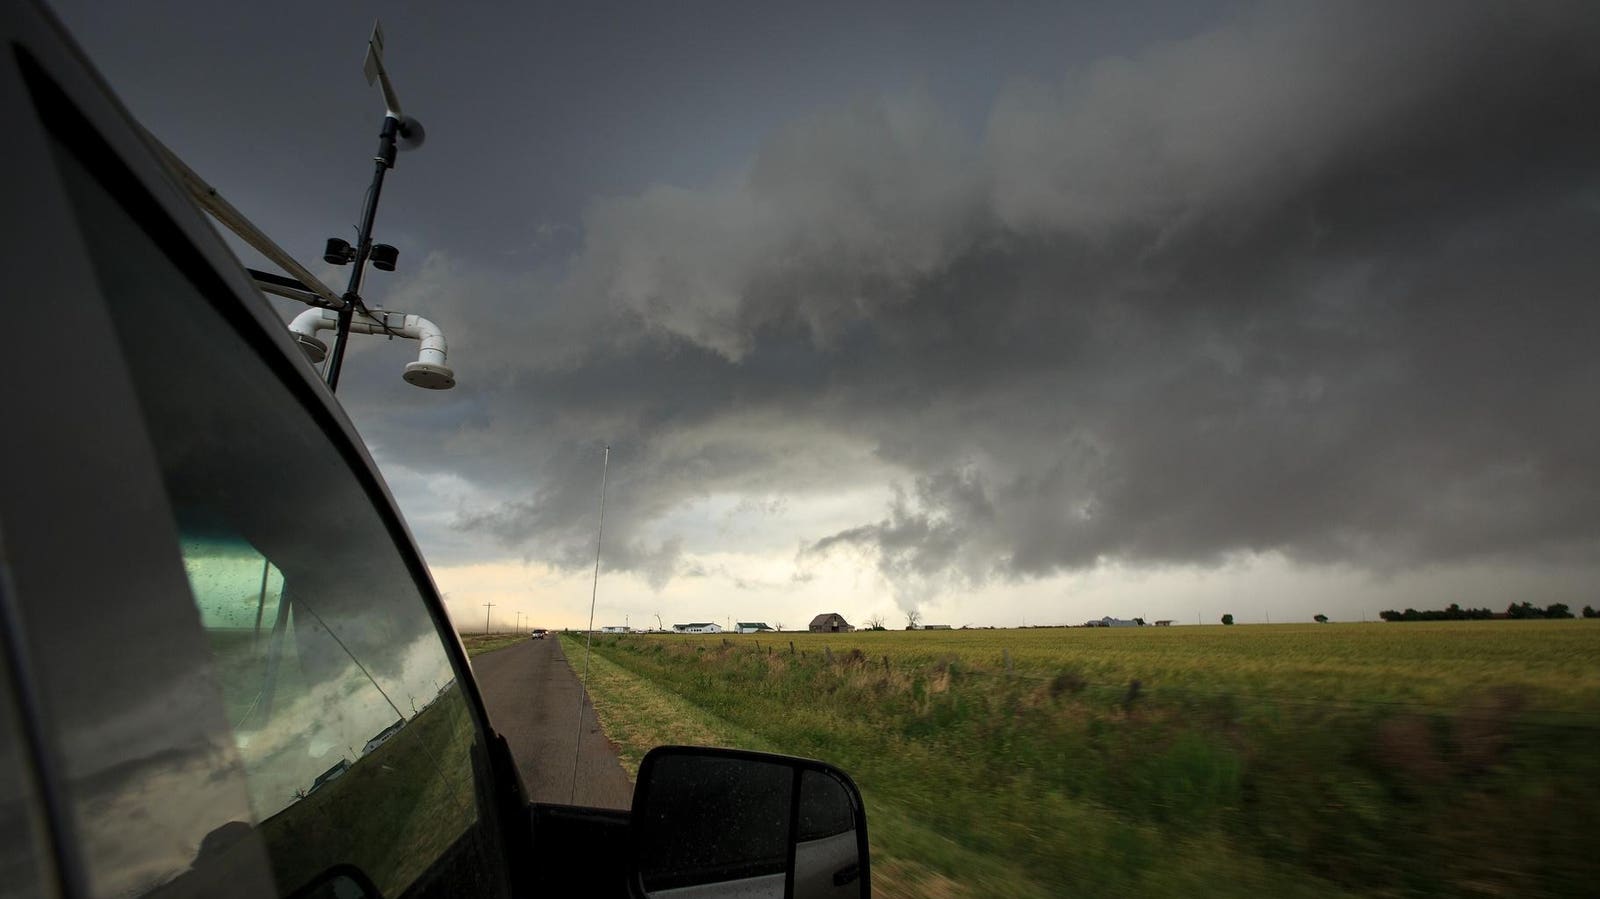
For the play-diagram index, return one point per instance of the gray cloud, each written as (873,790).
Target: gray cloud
(1318,281)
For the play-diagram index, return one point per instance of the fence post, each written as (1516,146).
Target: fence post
(791,647)
(827,654)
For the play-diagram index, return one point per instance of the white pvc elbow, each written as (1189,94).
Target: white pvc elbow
(431,369)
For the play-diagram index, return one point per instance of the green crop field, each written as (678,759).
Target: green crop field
(1377,759)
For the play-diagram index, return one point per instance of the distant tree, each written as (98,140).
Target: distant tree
(777,626)
(1558,610)
(913,618)
(1227,619)
(1589,612)
(1524,610)
(1320,619)
(875,623)
(1453,612)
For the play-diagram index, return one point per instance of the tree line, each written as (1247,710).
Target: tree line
(1454,612)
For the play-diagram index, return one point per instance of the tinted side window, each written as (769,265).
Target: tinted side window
(24,864)
(359,748)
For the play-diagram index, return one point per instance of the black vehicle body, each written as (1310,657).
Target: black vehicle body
(162,435)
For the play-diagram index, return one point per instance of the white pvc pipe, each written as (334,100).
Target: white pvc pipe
(431,369)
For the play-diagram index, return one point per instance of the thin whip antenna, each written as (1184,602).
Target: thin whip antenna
(588,637)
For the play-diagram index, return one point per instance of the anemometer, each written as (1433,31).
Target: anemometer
(345,313)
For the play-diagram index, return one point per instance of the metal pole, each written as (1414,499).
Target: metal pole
(588,637)
(383,162)
(487,608)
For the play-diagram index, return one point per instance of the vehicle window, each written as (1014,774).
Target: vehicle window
(357,745)
(23,863)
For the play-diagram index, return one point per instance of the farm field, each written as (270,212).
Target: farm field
(1376,759)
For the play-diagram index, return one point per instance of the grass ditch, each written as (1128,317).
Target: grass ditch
(1013,776)
(478,644)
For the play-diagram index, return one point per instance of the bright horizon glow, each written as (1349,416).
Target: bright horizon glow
(1254,590)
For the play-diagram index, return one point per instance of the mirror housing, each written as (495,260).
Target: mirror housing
(722,823)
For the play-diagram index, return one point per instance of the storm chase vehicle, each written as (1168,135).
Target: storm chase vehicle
(224,668)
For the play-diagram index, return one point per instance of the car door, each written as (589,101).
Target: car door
(239,674)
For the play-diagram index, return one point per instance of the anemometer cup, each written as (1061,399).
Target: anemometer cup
(412,133)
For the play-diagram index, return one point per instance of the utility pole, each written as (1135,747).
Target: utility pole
(487,607)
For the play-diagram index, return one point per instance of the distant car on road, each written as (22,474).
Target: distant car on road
(539,634)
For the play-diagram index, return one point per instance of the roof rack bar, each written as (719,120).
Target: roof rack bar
(267,282)
(234,221)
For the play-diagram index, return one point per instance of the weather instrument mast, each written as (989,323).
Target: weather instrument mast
(344,313)
(398,131)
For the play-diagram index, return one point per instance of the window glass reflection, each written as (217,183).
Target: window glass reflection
(357,746)
(708,819)
(23,863)
(303,709)
(827,853)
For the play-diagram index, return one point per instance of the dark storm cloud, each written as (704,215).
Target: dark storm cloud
(1318,281)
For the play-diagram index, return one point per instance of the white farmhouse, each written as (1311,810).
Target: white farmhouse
(698,627)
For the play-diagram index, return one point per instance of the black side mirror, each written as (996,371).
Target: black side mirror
(714,823)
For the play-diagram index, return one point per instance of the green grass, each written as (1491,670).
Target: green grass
(478,644)
(1383,759)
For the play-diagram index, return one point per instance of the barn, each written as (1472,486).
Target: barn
(830,623)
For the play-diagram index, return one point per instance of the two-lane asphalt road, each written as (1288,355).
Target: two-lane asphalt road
(532,696)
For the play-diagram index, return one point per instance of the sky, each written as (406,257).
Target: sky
(1000,314)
